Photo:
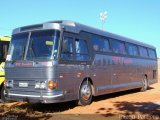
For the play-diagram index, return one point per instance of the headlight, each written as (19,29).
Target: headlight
(37,85)
(40,85)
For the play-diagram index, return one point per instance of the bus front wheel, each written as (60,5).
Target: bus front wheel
(144,84)
(85,93)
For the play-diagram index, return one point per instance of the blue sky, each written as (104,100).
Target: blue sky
(137,19)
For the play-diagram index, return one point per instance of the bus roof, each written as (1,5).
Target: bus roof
(80,27)
(75,27)
(5,38)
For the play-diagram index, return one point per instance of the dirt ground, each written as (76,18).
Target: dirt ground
(125,105)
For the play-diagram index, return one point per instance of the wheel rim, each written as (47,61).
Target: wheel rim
(145,84)
(85,92)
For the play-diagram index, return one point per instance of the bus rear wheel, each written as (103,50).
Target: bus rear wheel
(85,94)
(144,85)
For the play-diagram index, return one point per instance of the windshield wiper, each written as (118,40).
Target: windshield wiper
(31,51)
(23,52)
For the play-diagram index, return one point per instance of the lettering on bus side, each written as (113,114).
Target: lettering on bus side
(23,64)
(121,60)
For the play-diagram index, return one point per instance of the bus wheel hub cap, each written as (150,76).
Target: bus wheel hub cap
(145,84)
(85,92)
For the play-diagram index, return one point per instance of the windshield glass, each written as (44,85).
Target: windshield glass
(42,45)
(17,47)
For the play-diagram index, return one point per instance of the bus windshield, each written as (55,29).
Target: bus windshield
(42,45)
(17,47)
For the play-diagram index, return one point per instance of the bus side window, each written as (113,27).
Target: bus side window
(100,44)
(118,47)
(67,48)
(132,49)
(152,53)
(96,42)
(143,52)
(81,47)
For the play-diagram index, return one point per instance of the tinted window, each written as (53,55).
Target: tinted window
(105,46)
(152,53)
(81,47)
(17,46)
(118,47)
(42,44)
(132,49)
(143,52)
(67,48)
(100,44)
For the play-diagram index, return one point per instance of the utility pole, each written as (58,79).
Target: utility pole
(103,17)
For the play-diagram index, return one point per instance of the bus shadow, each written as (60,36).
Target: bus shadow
(117,94)
(150,88)
(133,110)
(33,111)
(60,107)
(49,108)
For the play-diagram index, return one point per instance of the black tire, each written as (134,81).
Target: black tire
(145,85)
(85,94)
(2,91)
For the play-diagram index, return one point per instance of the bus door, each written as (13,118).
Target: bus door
(101,67)
(82,57)
(67,68)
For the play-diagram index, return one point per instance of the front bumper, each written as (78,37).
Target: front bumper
(50,98)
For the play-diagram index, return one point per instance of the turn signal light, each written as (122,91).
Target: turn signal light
(52,85)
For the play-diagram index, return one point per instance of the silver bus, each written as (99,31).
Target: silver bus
(61,61)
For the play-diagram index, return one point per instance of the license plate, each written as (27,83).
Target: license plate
(23,84)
